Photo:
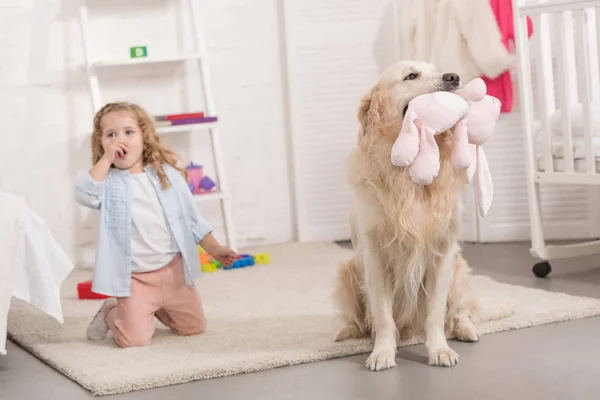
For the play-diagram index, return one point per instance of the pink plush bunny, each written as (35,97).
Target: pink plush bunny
(426,116)
(472,113)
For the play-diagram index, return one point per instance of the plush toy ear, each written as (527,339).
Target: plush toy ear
(473,167)
(485,186)
(406,146)
(473,91)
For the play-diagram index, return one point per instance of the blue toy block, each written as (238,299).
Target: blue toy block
(246,260)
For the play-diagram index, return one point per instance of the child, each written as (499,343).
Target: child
(147,255)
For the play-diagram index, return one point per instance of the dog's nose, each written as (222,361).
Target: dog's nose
(451,77)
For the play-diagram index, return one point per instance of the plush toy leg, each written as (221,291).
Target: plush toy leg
(485,186)
(426,165)
(460,159)
(406,146)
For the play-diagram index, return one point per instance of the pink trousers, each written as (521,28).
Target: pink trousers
(161,293)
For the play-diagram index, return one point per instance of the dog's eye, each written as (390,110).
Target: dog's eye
(411,76)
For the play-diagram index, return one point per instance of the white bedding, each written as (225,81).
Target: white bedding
(579,149)
(32,264)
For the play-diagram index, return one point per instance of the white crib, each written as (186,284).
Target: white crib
(562,143)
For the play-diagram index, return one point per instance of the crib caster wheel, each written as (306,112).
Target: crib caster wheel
(542,269)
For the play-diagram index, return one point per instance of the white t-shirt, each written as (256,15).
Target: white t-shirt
(152,244)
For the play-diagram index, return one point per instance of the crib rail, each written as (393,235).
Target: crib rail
(564,50)
(547,7)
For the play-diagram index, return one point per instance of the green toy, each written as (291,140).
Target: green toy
(138,52)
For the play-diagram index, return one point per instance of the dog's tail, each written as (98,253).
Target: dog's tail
(349,300)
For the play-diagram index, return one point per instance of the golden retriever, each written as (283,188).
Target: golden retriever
(407,274)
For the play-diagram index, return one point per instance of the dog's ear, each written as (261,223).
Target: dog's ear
(371,108)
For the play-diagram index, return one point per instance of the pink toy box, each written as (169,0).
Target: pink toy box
(195,173)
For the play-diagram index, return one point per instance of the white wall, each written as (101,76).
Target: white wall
(46,108)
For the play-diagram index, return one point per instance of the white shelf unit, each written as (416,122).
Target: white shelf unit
(137,61)
(200,55)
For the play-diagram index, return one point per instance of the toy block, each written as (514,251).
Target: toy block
(138,52)
(249,259)
(209,267)
(84,292)
(216,263)
(262,258)
(205,258)
(200,250)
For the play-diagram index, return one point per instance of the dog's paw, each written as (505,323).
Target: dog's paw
(381,359)
(444,357)
(465,331)
(348,332)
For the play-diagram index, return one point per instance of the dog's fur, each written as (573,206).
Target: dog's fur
(407,274)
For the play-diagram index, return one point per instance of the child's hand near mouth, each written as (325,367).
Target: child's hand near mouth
(115,149)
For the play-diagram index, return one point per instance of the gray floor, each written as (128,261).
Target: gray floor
(556,361)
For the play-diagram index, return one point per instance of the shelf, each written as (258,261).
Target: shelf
(209,196)
(186,127)
(145,60)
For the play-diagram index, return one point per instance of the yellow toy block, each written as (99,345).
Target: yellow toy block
(262,258)
(209,267)
(201,250)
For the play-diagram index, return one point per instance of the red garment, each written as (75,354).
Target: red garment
(501,87)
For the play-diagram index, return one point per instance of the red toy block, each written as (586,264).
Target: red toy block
(84,291)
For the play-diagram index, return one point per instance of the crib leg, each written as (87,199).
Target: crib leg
(536,226)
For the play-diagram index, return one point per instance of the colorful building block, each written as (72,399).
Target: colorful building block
(210,267)
(84,292)
(205,258)
(244,260)
(209,264)
(138,52)
(262,258)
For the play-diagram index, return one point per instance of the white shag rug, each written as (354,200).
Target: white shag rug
(259,318)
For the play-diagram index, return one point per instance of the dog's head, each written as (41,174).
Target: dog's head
(382,108)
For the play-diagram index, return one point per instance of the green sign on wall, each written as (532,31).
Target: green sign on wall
(138,52)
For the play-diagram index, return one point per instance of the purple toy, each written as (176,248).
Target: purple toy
(206,184)
(186,121)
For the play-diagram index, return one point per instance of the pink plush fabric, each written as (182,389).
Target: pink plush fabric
(481,122)
(416,146)
(471,113)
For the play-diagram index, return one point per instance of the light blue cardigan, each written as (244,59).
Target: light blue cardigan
(112,271)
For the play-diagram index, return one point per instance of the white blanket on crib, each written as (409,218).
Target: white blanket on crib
(577,133)
(32,265)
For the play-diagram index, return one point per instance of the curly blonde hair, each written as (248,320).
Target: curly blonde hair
(155,153)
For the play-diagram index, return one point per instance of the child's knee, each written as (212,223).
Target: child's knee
(195,327)
(137,339)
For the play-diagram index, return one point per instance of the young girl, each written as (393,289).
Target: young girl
(147,255)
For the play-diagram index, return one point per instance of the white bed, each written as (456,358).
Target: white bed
(32,264)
